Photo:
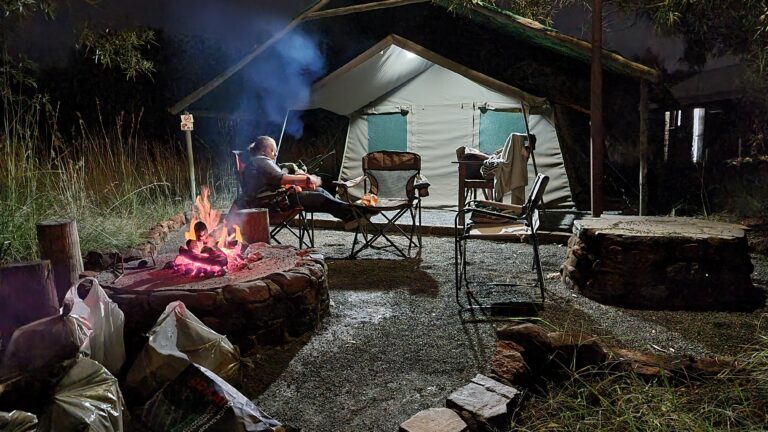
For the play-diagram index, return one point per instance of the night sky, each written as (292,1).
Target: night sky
(240,24)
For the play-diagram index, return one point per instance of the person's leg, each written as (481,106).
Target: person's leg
(320,201)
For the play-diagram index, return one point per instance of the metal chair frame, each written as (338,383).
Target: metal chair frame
(528,218)
(368,232)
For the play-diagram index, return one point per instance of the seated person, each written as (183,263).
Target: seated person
(262,175)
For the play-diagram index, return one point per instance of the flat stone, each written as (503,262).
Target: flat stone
(291,283)
(256,291)
(491,384)
(658,226)
(434,420)
(486,406)
(195,301)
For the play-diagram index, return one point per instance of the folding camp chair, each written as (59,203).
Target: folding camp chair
(395,179)
(492,220)
(284,209)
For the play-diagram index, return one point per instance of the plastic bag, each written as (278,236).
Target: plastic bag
(178,339)
(199,400)
(87,399)
(106,320)
(46,342)
(18,421)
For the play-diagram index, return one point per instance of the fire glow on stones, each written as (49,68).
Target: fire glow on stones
(212,248)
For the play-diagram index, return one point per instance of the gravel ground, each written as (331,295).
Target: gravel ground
(394,345)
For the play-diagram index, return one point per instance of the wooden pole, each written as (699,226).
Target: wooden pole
(597,150)
(191,160)
(60,245)
(27,294)
(643,204)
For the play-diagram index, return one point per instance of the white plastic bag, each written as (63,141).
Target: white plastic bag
(199,400)
(46,342)
(178,339)
(18,421)
(106,320)
(87,399)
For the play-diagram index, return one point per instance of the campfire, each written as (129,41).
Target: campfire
(212,247)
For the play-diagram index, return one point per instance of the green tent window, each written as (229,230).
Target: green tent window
(387,132)
(495,127)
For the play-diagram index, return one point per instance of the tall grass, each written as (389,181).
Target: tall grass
(113,183)
(603,400)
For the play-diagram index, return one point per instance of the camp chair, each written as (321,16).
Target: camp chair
(470,178)
(492,220)
(283,214)
(395,178)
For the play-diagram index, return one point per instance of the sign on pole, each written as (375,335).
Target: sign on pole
(188,125)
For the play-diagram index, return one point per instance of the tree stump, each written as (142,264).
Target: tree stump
(254,225)
(27,294)
(60,245)
(661,263)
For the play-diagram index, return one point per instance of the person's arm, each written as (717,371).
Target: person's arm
(304,180)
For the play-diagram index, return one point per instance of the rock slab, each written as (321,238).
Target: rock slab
(434,420)
(661,263)
(484,403)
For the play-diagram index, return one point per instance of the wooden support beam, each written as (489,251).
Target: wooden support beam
(205,89)
(643,107)
(360,8)
(597,150)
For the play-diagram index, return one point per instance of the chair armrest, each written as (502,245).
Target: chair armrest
(343,187)
(349,183)
(421,184)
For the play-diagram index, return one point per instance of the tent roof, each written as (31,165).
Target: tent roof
(549,38)
(387,65)
(712,85)
(478,10)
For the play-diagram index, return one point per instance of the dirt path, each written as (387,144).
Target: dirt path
(394,344)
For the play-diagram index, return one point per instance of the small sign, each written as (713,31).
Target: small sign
(187,122)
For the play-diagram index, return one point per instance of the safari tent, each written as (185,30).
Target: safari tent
(401,96)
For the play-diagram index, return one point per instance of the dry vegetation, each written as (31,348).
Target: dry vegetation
(106,177)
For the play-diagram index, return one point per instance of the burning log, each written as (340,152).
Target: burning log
(207,257)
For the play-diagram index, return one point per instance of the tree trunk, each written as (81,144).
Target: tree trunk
(27,294)
(254,225)
(60,244)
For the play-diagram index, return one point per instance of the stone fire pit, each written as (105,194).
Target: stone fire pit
(661,263)
(285,294)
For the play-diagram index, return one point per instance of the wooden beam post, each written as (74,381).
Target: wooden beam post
(597,149)
(60,244)
(366,7)
(643,202)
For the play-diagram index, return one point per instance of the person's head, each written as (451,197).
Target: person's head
(263,146)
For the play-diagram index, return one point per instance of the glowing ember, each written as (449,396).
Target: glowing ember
(209,253)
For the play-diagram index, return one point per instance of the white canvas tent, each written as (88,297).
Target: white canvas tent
(400,96)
